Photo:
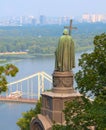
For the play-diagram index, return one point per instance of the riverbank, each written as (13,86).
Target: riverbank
(25,55)
(20,55)
(13,53)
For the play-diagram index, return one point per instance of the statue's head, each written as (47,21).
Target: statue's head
(65,32)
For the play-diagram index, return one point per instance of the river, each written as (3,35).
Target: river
(11,112)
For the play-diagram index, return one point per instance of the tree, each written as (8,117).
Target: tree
(24,122)
(7,70)
(92,77)
(91,80)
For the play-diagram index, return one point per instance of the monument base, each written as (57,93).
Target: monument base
(53,102)
(53,105)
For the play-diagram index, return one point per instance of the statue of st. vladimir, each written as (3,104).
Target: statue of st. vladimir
(65,55)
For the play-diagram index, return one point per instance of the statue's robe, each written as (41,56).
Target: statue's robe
(65,55)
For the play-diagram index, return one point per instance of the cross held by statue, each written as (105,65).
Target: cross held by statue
(70,27)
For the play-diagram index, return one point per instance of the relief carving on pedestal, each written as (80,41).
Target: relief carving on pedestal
(67,82)
(57,82)
(62,82)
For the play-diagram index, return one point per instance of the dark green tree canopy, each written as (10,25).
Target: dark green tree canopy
(91,79)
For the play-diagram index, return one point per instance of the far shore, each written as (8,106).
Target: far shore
(13,53)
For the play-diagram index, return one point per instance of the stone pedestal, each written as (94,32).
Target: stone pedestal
(53,102)
(63,82)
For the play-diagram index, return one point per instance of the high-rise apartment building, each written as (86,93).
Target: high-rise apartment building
(93,17)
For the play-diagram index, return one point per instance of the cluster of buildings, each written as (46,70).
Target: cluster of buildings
(43,20)
(94,18)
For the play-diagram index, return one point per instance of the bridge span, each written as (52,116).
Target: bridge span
(28,89)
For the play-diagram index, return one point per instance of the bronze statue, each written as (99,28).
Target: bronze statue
(65,55)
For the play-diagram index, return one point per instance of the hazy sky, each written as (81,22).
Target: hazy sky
(51,7)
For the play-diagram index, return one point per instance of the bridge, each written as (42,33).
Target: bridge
(28,89)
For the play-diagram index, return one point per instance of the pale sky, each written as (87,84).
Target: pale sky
(51,7)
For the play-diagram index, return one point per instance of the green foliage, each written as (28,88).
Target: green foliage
(81,114)
(91,80)
(24,122)
(93,69)
(44,39)
(7,70)
(76,115)
(59,127)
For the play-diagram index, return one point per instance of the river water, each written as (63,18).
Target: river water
(11,112)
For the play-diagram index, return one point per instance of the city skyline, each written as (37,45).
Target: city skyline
(70,8)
